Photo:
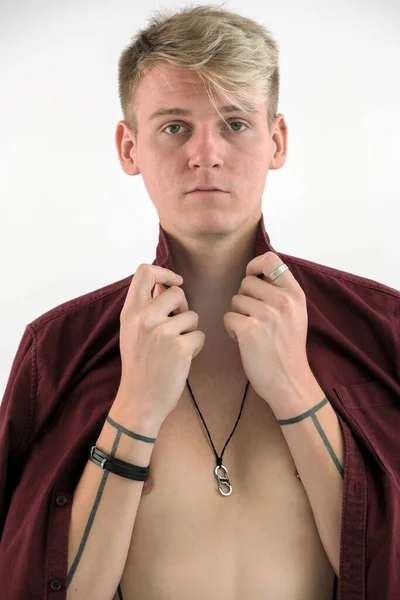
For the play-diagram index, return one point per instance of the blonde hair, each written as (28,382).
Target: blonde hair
(231,54)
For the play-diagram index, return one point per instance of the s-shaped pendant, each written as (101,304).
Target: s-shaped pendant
(223,480)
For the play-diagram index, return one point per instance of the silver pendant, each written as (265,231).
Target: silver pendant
(223,480)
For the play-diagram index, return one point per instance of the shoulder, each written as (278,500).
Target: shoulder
(328,286)
(75,341)
(85,309)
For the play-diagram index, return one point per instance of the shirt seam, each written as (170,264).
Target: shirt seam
(65,311)
(19,449)
(349,278)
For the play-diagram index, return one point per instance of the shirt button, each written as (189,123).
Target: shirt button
(61,500)
(55,584)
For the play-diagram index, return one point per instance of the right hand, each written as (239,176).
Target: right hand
(156,350)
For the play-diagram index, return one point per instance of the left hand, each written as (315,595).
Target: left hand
(270,322)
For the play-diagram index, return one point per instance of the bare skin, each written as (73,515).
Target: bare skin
(188,540)
(211,238)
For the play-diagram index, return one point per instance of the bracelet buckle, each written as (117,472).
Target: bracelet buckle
(103,462)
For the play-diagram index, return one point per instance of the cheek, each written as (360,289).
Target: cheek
(153,166)
(260,173)
(161,180)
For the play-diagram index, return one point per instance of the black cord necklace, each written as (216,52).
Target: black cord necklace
(225,479)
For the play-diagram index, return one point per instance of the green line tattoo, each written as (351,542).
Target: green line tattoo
(121,430)
(92,515)
(311,413)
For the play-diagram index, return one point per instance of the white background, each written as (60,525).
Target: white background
(71,221)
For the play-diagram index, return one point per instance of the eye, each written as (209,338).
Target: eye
(240,123)
(179,125)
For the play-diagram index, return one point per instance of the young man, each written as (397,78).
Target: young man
(212,239)
(262,391)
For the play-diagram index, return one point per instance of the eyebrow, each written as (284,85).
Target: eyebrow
(183,112)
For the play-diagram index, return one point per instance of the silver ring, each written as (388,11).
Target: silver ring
(278,271)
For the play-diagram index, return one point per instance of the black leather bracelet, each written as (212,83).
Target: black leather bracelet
(117,466)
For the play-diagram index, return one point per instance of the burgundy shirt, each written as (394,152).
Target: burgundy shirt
(64,379)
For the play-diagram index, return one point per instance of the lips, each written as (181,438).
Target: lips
(206,190)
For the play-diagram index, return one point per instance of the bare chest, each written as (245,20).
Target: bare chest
(189,540)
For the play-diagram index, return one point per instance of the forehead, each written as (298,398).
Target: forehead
(165,86)
(165,79)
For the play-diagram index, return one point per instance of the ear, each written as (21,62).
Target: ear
(125,143)
(279,136)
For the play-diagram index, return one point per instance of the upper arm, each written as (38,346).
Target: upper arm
(15,417)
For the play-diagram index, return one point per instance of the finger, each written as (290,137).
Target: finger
(144,280)
(263,265)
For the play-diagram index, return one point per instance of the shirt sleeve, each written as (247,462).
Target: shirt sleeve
(16,416)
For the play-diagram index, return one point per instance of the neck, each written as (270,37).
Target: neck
(213,266)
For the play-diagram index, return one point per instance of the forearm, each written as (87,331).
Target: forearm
(315,441)
(104,511)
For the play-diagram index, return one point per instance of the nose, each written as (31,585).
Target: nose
(205,149)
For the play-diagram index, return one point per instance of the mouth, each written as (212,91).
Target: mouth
(207,192)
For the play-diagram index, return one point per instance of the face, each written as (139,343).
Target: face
(176,153)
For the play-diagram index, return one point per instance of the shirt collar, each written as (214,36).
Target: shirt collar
(163,251)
